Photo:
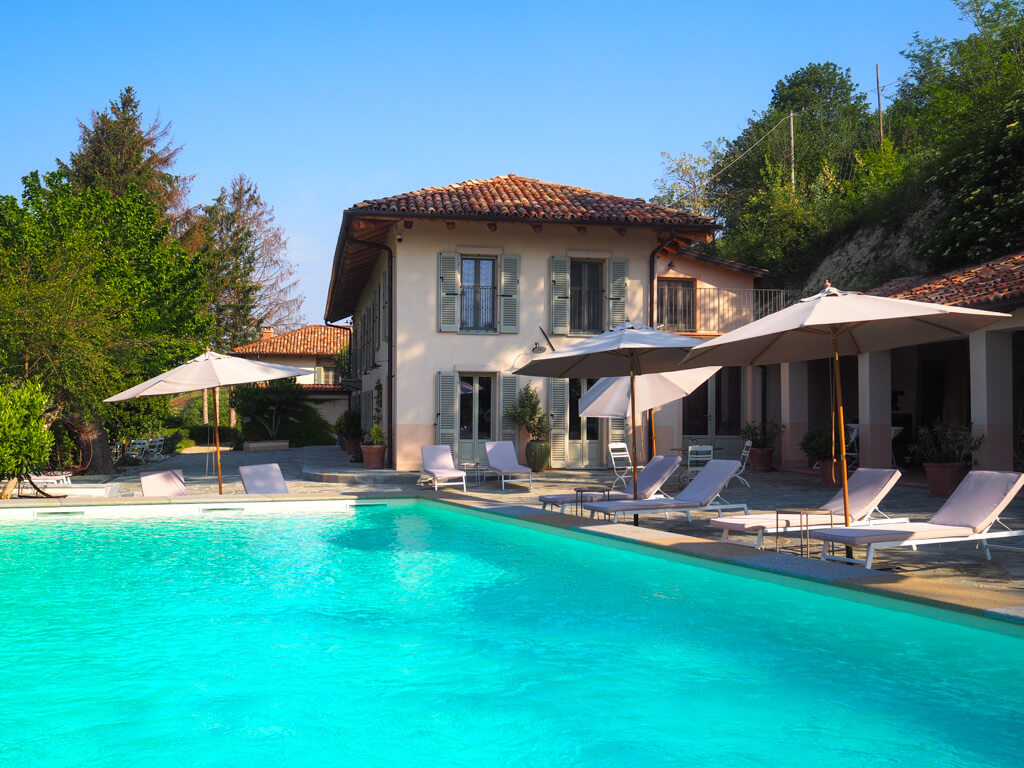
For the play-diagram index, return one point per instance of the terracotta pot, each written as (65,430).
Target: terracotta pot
(943,478)
(537,454)
(373,456)
(351,445)
(831,472)
(760,459)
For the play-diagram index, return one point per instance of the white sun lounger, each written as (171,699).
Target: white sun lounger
(700,494)
(867,489)
(263,479)
(968,515)
(650,480)
(501,456)
(439,466)
(166,482)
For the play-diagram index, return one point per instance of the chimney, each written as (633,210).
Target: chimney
(267,333)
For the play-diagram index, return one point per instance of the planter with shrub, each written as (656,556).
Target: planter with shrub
(528,414)
(762,436)
(946,451)
(377,445)
(817,444)
(349,431)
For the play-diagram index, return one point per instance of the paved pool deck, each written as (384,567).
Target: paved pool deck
(955,576)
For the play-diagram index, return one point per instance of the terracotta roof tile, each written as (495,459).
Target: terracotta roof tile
(996,282)
(319,340)
(519,198)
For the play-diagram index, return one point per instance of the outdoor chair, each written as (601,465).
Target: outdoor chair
(622,464)
(967,515)
(649,482)
(501,456)
(701,494)
(154,449)
(744,455)
(259,479)
(137,450)
(439,466)
(165,482)
(867,488)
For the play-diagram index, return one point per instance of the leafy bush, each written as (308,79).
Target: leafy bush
(817,444)
(203,435)
(945,443)
(376,436)
(308,427)
(271,405)
(25,442)
(142,417)
(528,413)
(761,435)
(348,424)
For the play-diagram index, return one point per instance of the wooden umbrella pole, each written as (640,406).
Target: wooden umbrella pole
(632,408)
(654,435)
(216,436)
(842,429)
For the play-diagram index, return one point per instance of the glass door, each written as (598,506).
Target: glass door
(712,414)
(586,448)
(475,417)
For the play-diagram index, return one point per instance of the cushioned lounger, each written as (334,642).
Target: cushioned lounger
(650,480)
(439,466)
(967,515)
(167,482)
(501,456)
(867,488)
(263,479)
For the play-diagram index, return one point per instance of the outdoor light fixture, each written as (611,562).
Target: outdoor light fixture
(538,348)
(671,265)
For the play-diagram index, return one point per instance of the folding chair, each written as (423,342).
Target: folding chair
(744,454)
(622,465)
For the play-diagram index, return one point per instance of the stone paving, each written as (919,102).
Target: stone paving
(326,470)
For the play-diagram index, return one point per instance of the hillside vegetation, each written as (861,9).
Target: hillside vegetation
(939,186)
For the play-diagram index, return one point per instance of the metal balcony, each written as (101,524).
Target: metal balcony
(707,311)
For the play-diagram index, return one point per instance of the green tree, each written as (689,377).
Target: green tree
(25,441)
(118,153)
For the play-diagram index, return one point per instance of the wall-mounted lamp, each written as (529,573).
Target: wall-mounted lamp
(671,265)
(538,348)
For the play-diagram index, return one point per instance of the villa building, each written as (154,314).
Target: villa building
(452,289)
(315,347)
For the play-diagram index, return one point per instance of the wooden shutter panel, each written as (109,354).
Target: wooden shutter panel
(558,408)
(448,292)
(447,394)
(508,394)
(617,271)
(617,430)
(509,294)
(560,296)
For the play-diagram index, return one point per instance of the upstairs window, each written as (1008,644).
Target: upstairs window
(677,305)
(586,292)
(478,293)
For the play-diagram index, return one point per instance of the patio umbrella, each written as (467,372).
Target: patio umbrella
(209,370)
(834,323)
(629,349)
(610,396)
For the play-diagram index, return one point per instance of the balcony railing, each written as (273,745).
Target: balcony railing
(718,310)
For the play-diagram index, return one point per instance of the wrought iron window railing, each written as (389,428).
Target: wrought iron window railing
(686,309)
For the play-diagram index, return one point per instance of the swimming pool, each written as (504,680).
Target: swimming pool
(417,635)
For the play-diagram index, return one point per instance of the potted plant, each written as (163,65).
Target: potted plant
(946,451)
(374,449)
(347,427)
(528,414)
(762,437)
(817,444)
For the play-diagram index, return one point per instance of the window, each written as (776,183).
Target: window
(478,291)
(585,293)
(677,305)
(322,375)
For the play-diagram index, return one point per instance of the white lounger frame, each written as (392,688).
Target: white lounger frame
(795,531)
(671,505)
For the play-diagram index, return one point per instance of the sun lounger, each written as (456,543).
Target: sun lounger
(439,466)
(166,482)
(867,489)
(700,494)
(650,480)
(968,515)
(263,479)
(501,456)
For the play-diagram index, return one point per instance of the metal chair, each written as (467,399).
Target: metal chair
(696,457)
(744,454)
(622,465)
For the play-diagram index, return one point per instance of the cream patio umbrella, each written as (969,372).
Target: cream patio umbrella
(610,396)
(629,349)
(834,323)
(209,371)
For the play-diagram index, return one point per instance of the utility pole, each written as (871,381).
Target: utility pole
(792,155)
(878,86)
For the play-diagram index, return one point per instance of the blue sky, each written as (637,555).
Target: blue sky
(327,104)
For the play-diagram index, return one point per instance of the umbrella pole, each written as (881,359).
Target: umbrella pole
(632,408)
(216,436)
(654,436)
(842,428)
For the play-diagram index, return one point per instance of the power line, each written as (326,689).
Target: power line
(752,146)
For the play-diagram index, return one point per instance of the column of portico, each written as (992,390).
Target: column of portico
(753,385)
(874,404)
(793,386)
(992,398)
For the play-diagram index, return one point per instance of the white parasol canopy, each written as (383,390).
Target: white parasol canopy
(609,397)
(834,323)
(208,371)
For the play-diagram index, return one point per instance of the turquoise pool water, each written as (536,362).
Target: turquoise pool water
(426,637)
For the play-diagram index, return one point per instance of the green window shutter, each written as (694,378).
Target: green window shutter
(448,292)
(508,291)
(558,408)
(560,295)
(508,394)
(447,394)
(617,271)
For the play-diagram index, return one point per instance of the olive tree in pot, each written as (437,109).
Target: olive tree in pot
(528,414)
(817,444)
(946,454)
(373,451)
(762,437)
